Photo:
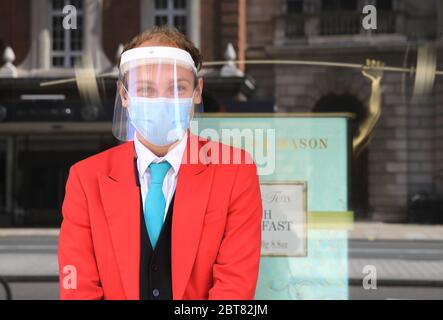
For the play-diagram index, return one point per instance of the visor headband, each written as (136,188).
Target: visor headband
(157,52)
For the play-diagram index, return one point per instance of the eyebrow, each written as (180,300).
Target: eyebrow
(155,83)
(182,79)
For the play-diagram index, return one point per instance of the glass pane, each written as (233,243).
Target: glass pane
(77,36)
(42,164)
(58,34)
(384,5)
(75,61)
(78,4)
(180,23)
(328,5)
(349,5)
(161,4)
(294,6)
(58,61)
(161,20)
(76,45)
(58,4)
(180,4)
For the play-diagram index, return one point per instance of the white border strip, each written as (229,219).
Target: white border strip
(157,52)
(42,97)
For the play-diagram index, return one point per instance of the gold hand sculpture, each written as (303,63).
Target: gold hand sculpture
(373,70)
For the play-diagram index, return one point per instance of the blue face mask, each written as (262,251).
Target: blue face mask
(160,121)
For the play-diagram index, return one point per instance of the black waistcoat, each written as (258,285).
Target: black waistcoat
(155,265)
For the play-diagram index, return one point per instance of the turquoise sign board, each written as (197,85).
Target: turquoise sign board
(300,148)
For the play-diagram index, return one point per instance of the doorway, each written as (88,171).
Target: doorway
(358,193)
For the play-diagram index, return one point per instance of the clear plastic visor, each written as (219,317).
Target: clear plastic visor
(154,97)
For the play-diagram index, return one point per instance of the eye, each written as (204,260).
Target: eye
(180,89)
(146,91)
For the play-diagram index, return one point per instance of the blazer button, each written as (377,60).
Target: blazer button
(155,292)
(155,267)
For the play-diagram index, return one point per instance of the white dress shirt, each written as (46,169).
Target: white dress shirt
(145,157)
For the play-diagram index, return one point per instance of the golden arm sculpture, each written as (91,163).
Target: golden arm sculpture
(373,70)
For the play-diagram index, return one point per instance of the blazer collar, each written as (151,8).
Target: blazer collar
(194,160)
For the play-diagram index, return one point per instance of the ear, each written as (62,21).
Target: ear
(123,94)
(199,91)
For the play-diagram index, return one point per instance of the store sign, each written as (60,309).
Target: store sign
(284,219)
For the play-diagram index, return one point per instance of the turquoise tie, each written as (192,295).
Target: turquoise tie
(155,202)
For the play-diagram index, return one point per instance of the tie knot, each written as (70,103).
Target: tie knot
(158,171)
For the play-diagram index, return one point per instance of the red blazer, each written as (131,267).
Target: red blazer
(216,227)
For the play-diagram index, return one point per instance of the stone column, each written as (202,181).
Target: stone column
(312,8)
(40,35)
(93,55)
(194,21)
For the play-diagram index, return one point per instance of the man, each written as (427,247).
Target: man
(160,216)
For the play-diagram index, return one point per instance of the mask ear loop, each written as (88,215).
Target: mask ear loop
(124,88)
(129,97)
(130,127)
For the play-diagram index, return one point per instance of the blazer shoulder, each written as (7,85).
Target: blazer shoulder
(222,154)
(102,160)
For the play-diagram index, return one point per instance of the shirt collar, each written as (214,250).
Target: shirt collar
(145,156)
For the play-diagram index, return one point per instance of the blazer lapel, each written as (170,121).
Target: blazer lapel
(191,198)
(120,196)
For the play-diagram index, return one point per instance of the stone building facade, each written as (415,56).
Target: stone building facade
(26,27)
(405,155)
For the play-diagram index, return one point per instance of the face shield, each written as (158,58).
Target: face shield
(156,96)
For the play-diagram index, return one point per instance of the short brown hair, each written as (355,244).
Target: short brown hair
(167,35)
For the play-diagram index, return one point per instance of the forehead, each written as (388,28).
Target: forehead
(160,72)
